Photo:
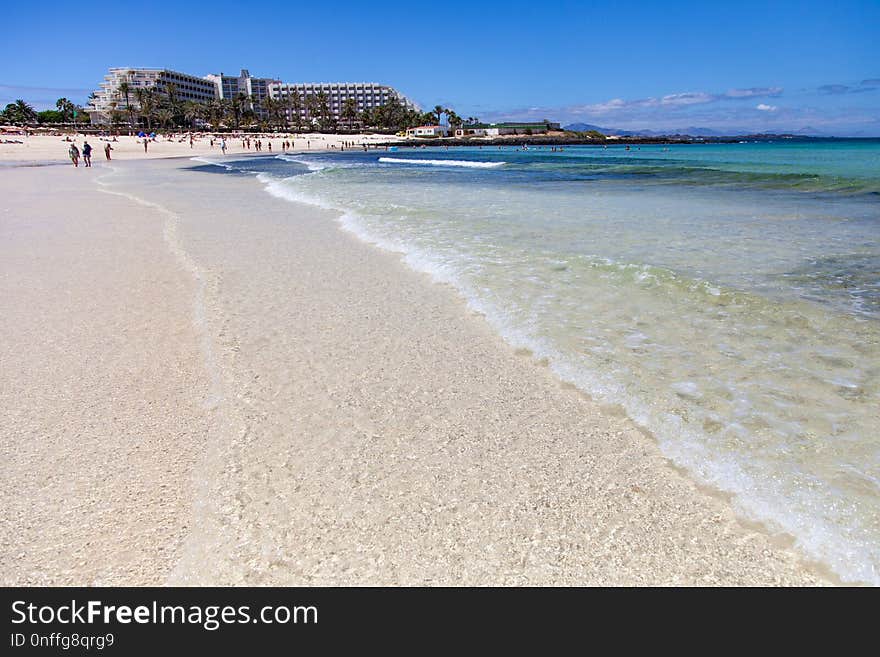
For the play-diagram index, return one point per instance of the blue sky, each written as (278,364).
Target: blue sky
(633,65)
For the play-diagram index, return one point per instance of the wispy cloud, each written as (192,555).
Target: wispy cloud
(689,98)
(725,111)
(838,89)
(753,92)
(683,99)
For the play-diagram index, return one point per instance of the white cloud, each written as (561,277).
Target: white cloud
(753,91)
(599,108)
(675,101)
(690,98)
(766,108)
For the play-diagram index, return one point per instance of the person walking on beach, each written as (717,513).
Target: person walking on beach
(73,151)
(146,142)
(87,153)
(107,149)
(223,145)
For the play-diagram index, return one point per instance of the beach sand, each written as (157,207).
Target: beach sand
(41,148)
(223,387)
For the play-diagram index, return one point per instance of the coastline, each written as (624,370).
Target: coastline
(52,149)
(368,428)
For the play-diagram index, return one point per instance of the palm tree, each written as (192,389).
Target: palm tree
(193,111)
(165,115)
(125,91)
(65,107)
(227,111)
(23,112)
(349,112)
(323,109)
(280,114)
(172,102)
(453,119)
(140,95)
(239,104)
(147,102)
(116,115)
(211,111)
(294,107)
(312,107)
(438,112)
(273,110)
(254,109)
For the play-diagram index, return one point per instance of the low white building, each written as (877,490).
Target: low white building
(500,129)
(428,131)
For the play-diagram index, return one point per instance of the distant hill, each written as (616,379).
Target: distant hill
(692,131)
(586,127)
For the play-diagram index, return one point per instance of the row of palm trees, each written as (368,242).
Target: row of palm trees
(22,113)
(19,112)
(453,119)
(149,107)
(162,107)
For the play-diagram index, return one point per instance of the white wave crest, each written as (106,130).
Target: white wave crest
(311,165)
(281,188)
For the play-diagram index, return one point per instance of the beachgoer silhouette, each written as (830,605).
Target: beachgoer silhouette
(73,151)
(107,149)
(87,153)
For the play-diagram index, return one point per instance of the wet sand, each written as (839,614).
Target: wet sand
(100,386)
(222,387)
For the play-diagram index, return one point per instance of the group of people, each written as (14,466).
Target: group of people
(258,144)
(74,153)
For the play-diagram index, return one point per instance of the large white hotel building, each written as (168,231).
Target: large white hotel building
(367,95)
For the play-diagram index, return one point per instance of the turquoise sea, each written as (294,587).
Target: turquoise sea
(727,297)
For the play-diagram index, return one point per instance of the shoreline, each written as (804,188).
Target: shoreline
(373,441)
(52,149)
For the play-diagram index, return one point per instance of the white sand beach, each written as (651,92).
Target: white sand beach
(42,148)
(204,384)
